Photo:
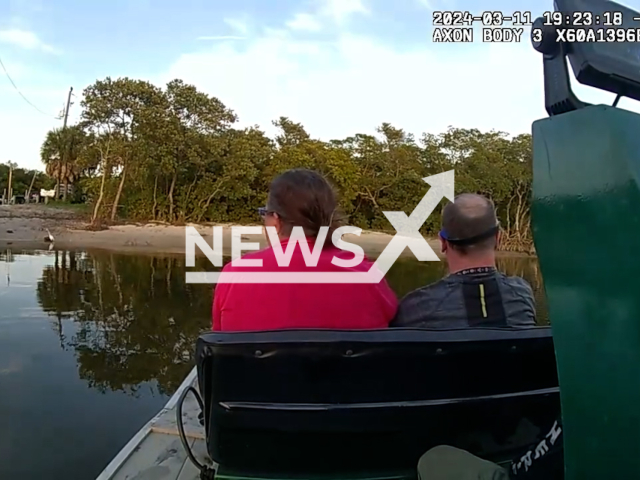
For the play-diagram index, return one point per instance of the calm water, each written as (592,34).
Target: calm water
(93,344)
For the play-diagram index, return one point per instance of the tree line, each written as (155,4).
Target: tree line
(176,155)
(22,180)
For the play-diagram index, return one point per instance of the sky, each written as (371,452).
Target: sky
(339,67)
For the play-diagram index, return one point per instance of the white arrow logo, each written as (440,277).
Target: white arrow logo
(408,235)
(408,228)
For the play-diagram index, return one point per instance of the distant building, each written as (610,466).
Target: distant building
(62,188)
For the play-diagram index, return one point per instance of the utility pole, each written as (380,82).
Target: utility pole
(10,180)
(63,160)
(28,194)
(66,110)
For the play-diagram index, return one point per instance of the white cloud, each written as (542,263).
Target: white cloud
(355,83)
(304,22)
(237,25)
(340,10)
(25,39)
(337,11)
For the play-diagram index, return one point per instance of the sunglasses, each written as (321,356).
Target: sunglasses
(263,212)
(471,240)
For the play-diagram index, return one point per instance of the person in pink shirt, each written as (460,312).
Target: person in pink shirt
(302,198)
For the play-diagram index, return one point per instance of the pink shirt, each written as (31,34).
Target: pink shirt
(272,306)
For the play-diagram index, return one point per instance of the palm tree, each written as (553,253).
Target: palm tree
(59,152)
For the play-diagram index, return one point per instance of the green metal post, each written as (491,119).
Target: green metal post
(586,227)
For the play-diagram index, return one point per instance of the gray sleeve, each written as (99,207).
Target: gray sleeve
(418,306)
(519,302)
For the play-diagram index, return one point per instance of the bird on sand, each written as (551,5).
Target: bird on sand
(49,237)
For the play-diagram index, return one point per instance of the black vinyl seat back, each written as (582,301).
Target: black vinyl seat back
(316,400)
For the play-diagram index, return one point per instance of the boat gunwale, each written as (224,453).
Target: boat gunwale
(125,453)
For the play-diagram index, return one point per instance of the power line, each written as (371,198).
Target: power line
(20,93)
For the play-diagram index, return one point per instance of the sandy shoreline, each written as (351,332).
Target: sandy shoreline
(24,227)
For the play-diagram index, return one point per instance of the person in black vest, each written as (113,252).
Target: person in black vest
(474,293)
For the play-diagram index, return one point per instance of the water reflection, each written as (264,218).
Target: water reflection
(136,319)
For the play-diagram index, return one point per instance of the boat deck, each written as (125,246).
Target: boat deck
(156,452)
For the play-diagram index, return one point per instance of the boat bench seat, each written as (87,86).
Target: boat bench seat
(325,400)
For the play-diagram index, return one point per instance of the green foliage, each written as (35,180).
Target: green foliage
(62,152)
(22,178)
(177,155)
